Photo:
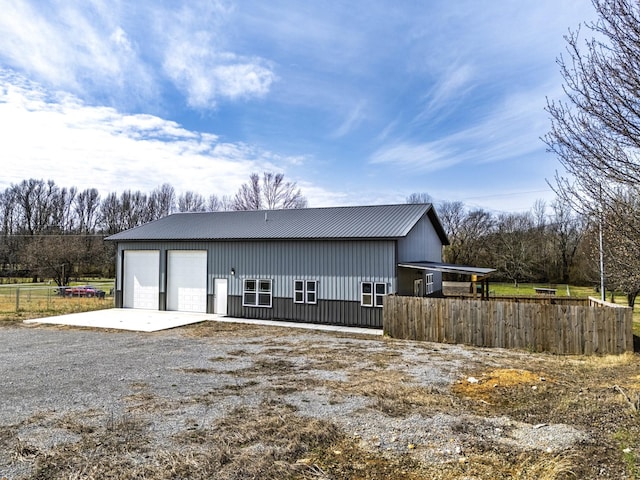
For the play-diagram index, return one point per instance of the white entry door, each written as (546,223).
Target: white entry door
(187,280)
(221,296)
(141,274)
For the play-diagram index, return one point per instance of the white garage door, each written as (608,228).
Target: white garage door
(187,280)
(141,279)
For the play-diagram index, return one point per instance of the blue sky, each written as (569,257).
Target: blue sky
(359,102)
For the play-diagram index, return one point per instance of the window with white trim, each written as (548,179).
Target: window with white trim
(311,291)
(257,293)
(428,283)
(372,294)
(366,294)
(305,291)
(381,291)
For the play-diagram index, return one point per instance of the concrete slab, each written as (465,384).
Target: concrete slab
(127,319)
(156,320)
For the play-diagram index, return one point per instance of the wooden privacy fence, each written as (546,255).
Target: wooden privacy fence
(562,329)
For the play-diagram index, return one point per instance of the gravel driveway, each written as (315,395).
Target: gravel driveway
(394,397)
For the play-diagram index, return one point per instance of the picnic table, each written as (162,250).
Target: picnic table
(545,291)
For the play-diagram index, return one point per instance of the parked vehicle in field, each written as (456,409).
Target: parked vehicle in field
(84,291)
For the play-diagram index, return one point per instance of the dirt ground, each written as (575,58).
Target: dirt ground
(233,401)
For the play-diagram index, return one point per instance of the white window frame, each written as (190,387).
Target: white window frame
(375,294)
(379,295)
(305,291)
(428,283)
(311,294)
(261,292)
(368,294)
(298,293)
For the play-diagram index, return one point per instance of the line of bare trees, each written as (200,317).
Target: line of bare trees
(544,244)
(57,232)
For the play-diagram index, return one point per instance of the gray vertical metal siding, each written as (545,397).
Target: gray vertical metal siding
(338,266)
(327,312)
(422,243)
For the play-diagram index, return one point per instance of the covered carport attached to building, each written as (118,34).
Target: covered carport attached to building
(479,276)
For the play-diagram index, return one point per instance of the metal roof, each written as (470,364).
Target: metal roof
(448,268)
(363,222)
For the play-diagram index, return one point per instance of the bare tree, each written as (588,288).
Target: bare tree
(270,192)
(419,198)
(595,131)
(161,201)
(567,230)
(126,211)
(216,204)
(541,245)
(191,202)
(55,256)
(87,209)
(468,233)
(622,244)
(512,241)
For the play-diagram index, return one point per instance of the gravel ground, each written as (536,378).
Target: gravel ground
(177,380)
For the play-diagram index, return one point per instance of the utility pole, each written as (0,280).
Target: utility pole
(602,292)
(603,296)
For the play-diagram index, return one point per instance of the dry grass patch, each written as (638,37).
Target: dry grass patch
(347,461)
(215,329)
(489,385)
(503,465)
(269,442)
(111,451)
(46,307)
(393,393)
(144,400)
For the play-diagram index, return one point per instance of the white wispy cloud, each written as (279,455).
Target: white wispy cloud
(196,60)
(354,117)
(102,49)
(511,130)
(447,92)
(61,138)
(75,47)
(424,157)
(206,77)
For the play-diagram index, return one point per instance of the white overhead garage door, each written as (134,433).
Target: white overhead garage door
(187,280)
(141,279)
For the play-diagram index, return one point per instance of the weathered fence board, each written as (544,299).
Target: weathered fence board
(587,327)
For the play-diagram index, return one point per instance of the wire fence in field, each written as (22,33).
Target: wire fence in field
(45,298)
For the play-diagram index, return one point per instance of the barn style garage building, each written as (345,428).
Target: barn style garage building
(321,265)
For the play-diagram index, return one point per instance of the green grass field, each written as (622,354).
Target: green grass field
(528,289)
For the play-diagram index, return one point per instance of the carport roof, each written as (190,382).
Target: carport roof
(361,222)
(448,268)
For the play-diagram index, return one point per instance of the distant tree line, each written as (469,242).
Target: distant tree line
(49,231)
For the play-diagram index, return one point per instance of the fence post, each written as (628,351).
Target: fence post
(17,299)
